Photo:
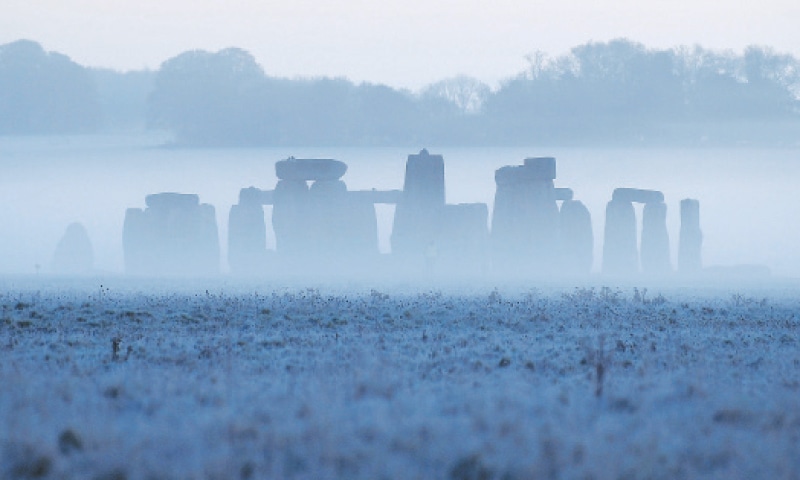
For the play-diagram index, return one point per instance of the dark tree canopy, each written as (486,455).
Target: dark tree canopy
(209,98)
(621,90)
(617,92)
(43,92)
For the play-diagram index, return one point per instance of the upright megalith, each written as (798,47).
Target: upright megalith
(690,242)
(620,250)
(576,239)
(342,228)
(620,253)
(247,233)
(326,217)
(74,253)
(290,217)
(655,240)
(418,213)
(300,218)
(174,235)
(525,219)
(320,226)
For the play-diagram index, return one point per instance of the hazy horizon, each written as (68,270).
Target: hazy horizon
(401,44)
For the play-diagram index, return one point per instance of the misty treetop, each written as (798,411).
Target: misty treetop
(617,91)
(44,92)
(621,88)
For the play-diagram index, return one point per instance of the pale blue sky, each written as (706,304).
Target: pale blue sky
(401,43)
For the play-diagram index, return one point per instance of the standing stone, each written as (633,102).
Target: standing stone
(511,221)
(174,235)
(620,252)
(73,254)
(690,242)
(290,217)
(417,215)
(247,236)
(545,217)
(343,228)
(341,225)
(362,227)
(655,240)
(326,217)
(204,259)
(576,238)
(525,219)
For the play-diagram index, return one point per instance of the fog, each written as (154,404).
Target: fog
(748,202)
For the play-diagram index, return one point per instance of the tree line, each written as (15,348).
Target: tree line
(617,91)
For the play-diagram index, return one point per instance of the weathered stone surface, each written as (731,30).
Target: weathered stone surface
(620,252)
(511,174)
(327,217)
(310,169)
(247,238)
(74,253)
(543,168)
(563,194)
(576,239)
(290,216)
(255,196)
(417,216)
(534,169)
(175,235)
(525,221)
(361,225)
(690,242)
(323,227)
(637,195)
(655,256)
(334,189)
(424,180)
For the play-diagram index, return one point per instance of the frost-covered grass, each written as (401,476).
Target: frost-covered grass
(297,383)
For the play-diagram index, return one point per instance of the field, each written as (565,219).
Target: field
(127,382)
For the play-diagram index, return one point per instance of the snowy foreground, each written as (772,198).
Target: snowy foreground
(261,382)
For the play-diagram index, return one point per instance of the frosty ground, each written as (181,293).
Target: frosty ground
(259,381)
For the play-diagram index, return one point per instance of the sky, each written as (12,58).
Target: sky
(402,43)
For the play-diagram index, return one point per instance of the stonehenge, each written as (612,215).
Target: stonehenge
(174,235)
(320,226)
